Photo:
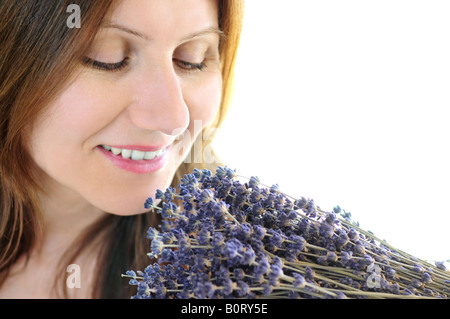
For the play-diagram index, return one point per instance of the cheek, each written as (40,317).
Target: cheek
(62,126)
(82,109)
(63,140)
(203,100)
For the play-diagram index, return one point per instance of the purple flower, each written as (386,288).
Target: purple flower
(159,194)
(296,243)
(204,236)
(168,210)
(275,273)
(206,196)
(352,234)
(274,239)
(227,289)
(142,290)
(322,260)
(152,233)
(201,175)
(157,246)
(232,248)
(263,267)
(217,240)
(309,273)
(254,182)
(341,238)
(395,288)
(331,256)
(390,273)
(426,278)
(149,203)
(220,238)
(248,256)
(203,290)
(267,289)
(407,292)
(167,255)
(254,198)
(416,283)
(258,232)
(417,268)
(238,274)
(359,249)
(242,288)
(169,194)
(300,203)
(440,265)
(331,218)
(299,281)
(326,230)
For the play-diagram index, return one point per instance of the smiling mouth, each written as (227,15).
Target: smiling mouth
(135,155)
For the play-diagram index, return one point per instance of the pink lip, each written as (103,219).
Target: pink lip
(138,167)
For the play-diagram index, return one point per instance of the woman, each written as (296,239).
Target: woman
(94,119)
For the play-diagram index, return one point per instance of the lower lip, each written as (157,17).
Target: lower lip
(138,167)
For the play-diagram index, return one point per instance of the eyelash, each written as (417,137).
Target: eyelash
(110,67)
(191,67)
(118,66)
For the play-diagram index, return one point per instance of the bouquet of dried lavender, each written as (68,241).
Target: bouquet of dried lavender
(222,238)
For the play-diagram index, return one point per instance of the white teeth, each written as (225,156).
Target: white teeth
(115,151)
(149,155)
(126,153)
(133,154)
(137,155)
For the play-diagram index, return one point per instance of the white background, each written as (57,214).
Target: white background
(347,102)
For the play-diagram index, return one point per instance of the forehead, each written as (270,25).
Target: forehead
(165,19)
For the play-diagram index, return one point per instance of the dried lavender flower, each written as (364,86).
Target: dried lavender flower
(223,238)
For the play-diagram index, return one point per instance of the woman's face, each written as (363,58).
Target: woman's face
(122,127)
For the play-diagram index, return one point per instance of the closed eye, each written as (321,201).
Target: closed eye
(118,66)
(188,66)
(112,67)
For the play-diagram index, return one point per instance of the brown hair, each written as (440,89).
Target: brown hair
(36,48)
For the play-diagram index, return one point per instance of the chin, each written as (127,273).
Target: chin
(127,203)
(122,209)
(127,197)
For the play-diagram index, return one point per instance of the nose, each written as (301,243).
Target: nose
(158,103)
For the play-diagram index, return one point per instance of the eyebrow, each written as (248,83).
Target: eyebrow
(206,31)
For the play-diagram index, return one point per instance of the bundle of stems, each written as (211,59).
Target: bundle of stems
(225,238)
